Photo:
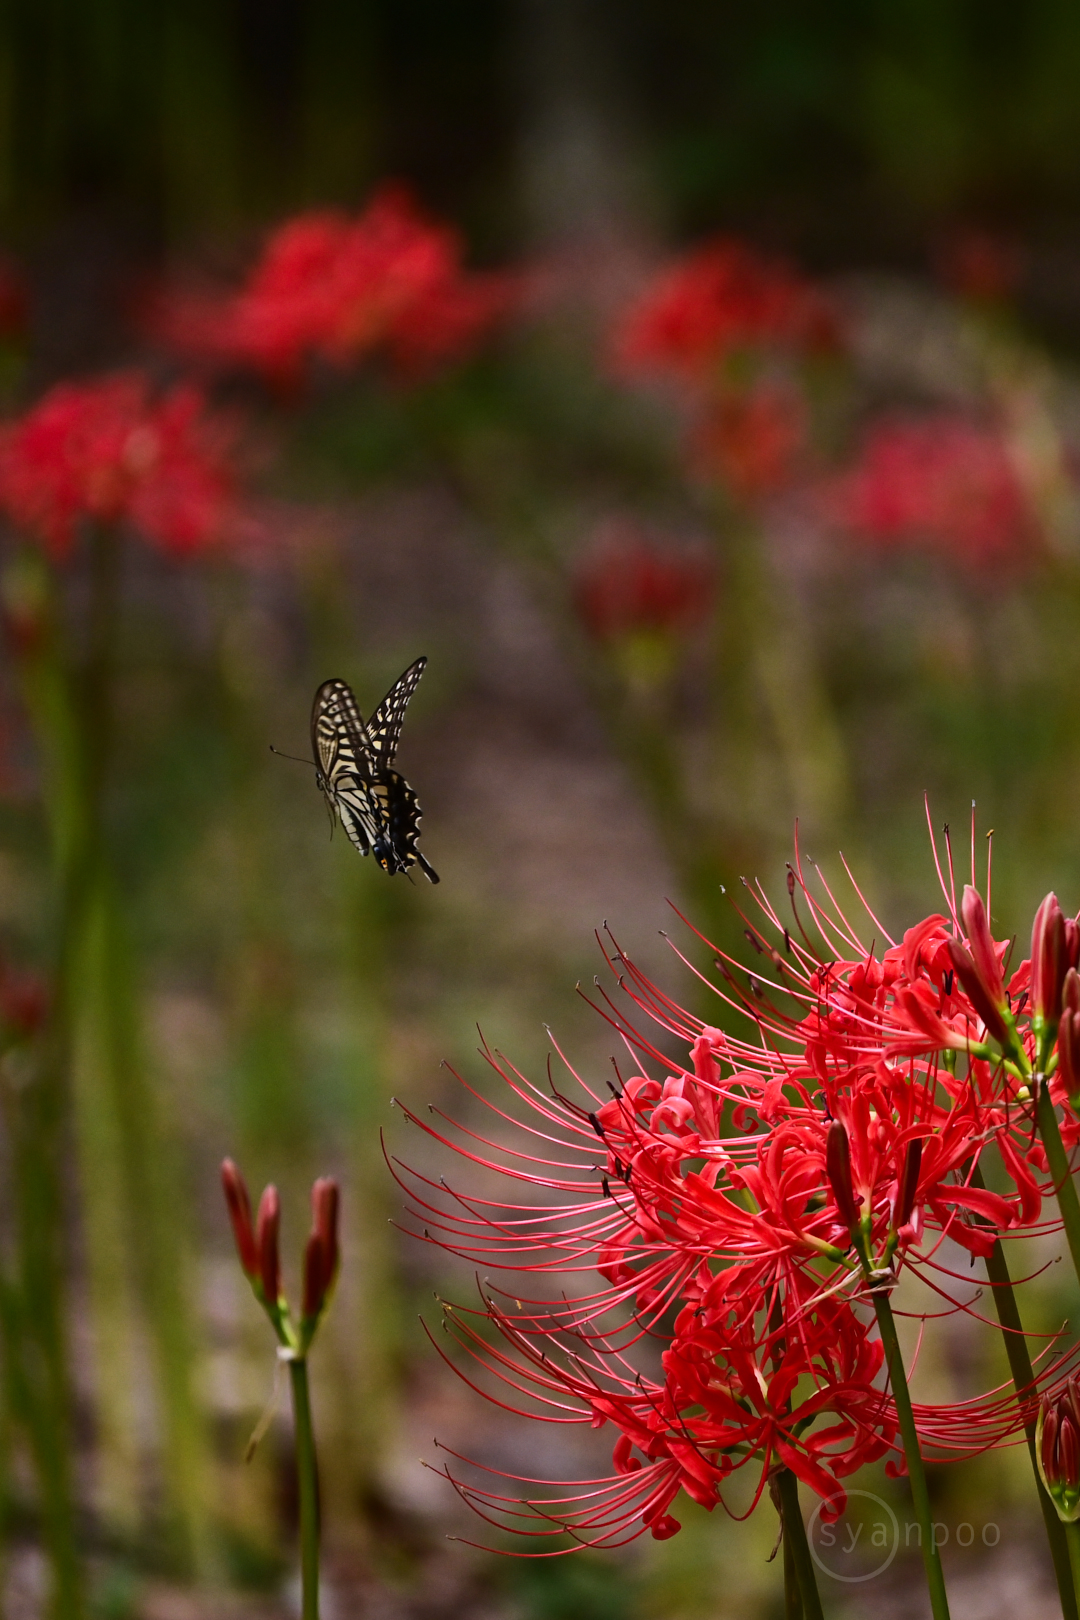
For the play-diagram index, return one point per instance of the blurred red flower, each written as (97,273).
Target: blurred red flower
(943,480)
(110,451)
(25,1000)
(753,440)
(627,584)
(723,298)
(387,281)
(981,266)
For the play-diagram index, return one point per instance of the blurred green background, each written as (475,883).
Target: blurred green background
(268,992)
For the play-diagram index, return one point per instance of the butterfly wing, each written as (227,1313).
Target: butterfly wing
(384,727)
(401,815)
(343,768)
(357,804)
(339,737)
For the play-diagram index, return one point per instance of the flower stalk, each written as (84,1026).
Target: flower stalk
(1023,1376)
(307,1475)
(1060,1170)
(880,1281)
(796,1545)
(920,1495)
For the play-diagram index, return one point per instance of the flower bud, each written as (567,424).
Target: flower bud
(908,1185)
(838,1169)
(314,1275)
(1070,991)
(321,1253)
(239,1205)
(1048,960)
(981,945)
(1068,1046)
(1057,1449)
(324,1209)
(1072,942)
(266,1242)
(971,979)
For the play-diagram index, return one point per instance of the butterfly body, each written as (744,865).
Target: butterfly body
(353,770)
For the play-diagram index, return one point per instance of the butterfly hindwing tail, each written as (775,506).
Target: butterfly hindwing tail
(403,823)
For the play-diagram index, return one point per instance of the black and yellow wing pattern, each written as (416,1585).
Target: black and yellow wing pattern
(375,805)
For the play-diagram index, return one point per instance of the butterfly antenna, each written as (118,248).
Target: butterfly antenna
(294,757)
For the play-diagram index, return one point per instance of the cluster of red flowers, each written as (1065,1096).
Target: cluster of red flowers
(111,451)
(628,585)
(720,301)
(944,481)
(735,326)
(327,286)
(756,1196)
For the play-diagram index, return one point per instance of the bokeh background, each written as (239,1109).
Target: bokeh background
(661,628)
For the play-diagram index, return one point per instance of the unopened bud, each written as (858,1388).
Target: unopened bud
(981,945)
(1070,991)
(1072,942)
(1048,960)
(321,1253)
(325,1199)
(1057,1449)
(315,1275)
(908,1184)
(266,1242)
(972,981)
(239,1205)
(838,1169)
(1068,1046)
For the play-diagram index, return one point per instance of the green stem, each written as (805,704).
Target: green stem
(1072,1537)
(796,1544)
(1061,1170)
(307,1475)
(793,1609)
(920,1494)
(1023,1376)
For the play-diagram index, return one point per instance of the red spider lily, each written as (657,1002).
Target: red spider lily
(328,286)
(944,481)
(110,451)
(727,1401)
(719,1195)
(968,1039)
(723,298)
(627,585)
(753,439)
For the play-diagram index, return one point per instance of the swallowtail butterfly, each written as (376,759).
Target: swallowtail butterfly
(353,760)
